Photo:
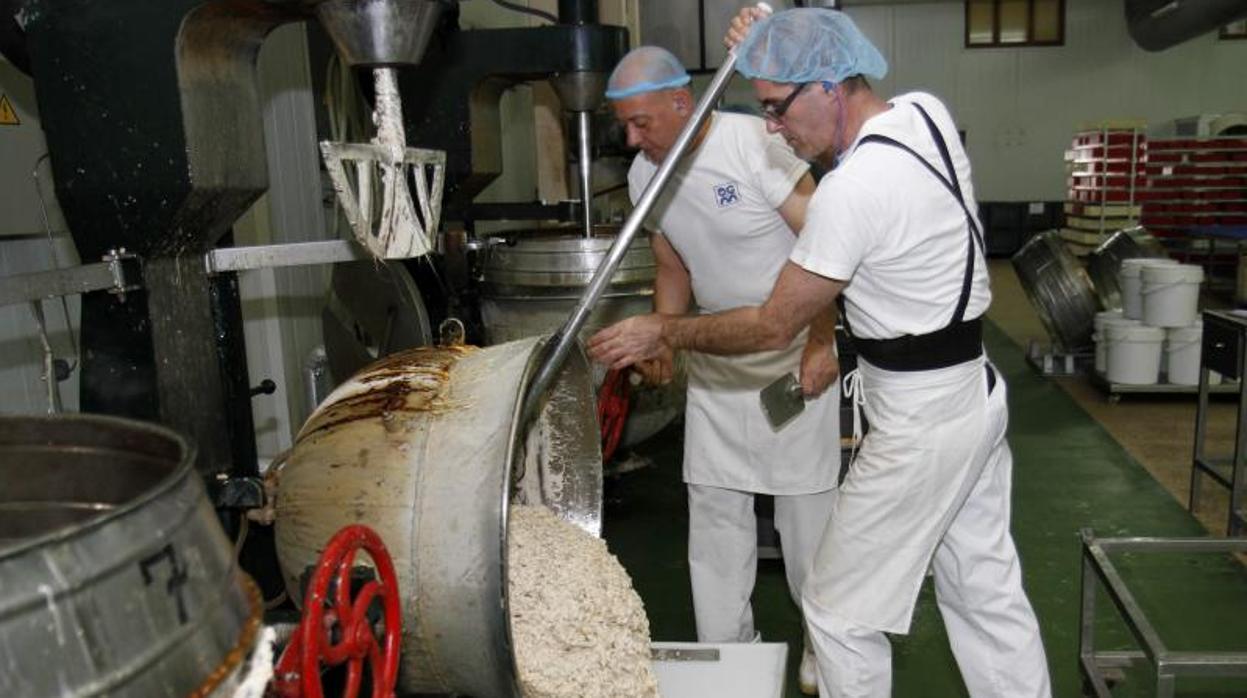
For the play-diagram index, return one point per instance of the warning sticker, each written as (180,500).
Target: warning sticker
(8,117)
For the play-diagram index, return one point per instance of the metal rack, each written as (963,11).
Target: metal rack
(1116,390)
(1196,184)
(1105,167)
(1225,337)
(1168,664)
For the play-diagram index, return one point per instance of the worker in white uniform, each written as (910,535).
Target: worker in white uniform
(892,227)
(721,232)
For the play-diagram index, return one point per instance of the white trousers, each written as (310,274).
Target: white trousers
(978,585)
(723,554)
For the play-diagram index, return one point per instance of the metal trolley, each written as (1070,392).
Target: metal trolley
(1168,664)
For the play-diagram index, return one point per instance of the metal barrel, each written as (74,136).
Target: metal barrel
(1104,262)
(529,288)
(559,263)
(529,285)
(427,447)
(115,576)
(1058,287)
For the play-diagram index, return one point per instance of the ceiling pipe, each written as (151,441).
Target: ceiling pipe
(1156,25)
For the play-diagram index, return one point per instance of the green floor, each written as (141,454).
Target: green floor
(1068,474)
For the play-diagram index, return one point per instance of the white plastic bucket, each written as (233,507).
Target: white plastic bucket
(1102,320)
(1131,284)
(1134,353)
(1182,346)
(1170,294)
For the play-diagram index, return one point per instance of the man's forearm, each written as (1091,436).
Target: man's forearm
(736,331)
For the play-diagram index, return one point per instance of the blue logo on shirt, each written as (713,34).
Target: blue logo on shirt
(726,194)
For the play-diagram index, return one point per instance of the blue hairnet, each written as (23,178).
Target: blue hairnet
(645,69)
(808,45)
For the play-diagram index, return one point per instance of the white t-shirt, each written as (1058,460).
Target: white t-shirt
(883,223)
(719,213)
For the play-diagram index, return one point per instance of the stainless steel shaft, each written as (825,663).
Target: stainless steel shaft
(562,341)
(586,170)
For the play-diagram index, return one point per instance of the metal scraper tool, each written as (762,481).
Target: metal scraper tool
(782,401)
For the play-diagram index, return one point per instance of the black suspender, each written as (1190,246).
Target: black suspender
(953,185)
(960,340)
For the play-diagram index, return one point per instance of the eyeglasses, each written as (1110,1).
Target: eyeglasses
(776,110)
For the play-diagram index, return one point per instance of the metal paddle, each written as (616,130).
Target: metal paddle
(561,342)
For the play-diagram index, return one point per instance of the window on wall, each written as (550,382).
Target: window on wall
(993,23)
(1235,30)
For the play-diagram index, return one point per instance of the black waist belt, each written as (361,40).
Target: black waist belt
(950,346)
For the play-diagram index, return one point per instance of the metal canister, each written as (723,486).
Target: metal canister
(1058,287)
(1104,262)
(533,282)
(115,575)
(427,448)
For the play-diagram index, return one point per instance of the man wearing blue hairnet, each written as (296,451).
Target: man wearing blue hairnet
(721,232)
(893,229)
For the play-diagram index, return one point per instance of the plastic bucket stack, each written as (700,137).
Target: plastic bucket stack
(1158,331)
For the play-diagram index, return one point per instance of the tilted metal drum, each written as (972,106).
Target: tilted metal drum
(428,448)
(1104,263)
(531,285)
(1059,289)
(115,575)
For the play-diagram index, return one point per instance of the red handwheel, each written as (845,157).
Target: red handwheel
(340,618)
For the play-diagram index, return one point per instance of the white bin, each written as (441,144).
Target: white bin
(1131,284)
(1102,320)
(1183,349)
(1171,294)
(1182,346)
(1134,353)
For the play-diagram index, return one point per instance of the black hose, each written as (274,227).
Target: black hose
(527,10)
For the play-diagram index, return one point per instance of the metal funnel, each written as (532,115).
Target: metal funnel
(380,32)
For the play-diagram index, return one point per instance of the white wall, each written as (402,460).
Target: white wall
(1020,106)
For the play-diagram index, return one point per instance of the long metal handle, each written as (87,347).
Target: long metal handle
(561,342)
(586,170)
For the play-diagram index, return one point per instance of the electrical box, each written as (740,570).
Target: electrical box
(21,147)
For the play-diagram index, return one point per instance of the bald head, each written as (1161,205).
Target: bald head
(645,69)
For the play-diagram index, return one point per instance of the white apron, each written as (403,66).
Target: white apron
(931,433)
(728,441)
(720,214)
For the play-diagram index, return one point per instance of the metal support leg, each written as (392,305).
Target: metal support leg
(1201,427)
(1086,622)
(1235,524)
(1166,684)
(1093,680)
